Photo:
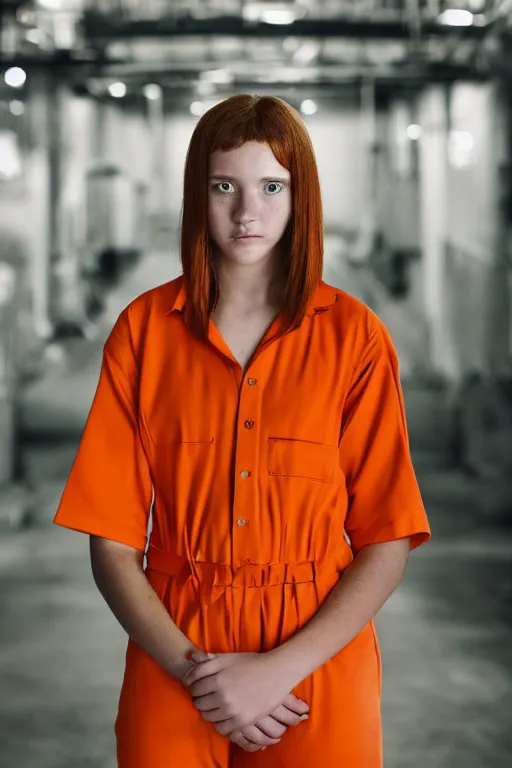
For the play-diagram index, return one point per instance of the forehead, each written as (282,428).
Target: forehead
(251,159)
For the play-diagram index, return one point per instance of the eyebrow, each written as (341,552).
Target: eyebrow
(265,178)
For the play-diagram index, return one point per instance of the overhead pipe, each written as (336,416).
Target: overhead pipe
(97,26)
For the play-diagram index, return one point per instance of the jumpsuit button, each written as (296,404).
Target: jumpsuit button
(251,382)
(249,424)
(241,521)
(244,473)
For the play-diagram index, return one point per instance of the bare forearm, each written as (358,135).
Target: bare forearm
(121,580)
(362,590)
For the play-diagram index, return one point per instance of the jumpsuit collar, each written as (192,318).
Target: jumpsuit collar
(324,298)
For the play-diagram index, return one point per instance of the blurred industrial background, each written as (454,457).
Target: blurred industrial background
(408,103)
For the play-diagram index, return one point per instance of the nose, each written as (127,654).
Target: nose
(246,208)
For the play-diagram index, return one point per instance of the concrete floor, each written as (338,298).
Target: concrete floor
(445,633)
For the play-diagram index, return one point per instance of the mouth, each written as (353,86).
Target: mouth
(246,237)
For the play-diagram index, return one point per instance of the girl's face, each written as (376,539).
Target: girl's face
(249,194)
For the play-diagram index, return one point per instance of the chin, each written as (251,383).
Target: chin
(251,250)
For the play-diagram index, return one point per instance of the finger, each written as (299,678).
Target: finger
(239,739)
(226,727)
(269,726)
(203,687)
(286,717)
(200,657)
(216,716)
(254,734)
(296,705)
(198,671)
(206,703)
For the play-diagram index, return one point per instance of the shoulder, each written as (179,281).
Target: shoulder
(365,350)
(356,323)
(361,339)
(156,302)
(132,324)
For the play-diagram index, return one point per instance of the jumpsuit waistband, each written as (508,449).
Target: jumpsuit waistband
(212,579)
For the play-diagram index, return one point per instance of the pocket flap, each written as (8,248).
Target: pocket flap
(301,458)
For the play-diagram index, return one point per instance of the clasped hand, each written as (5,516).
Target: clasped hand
(245,695)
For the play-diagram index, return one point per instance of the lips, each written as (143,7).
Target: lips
(246,237)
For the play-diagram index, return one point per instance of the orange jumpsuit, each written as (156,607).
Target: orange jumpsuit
(257,489)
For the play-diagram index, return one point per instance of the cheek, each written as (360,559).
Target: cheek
(279,211)
(218,215)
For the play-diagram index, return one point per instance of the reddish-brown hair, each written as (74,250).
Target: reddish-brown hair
(229,125)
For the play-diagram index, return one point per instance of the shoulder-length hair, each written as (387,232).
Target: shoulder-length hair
(226,126)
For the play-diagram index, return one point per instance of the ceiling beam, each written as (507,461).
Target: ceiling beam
(75,68)
(102,27)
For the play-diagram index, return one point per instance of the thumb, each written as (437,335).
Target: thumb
(200,656)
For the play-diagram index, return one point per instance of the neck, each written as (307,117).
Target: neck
(250,287)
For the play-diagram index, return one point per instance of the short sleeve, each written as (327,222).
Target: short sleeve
(109,491)
(385,503)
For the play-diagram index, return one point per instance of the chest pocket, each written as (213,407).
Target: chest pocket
(301,458)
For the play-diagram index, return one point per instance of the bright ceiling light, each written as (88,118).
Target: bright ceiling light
(460,149)
(308,107)
(271,13)
(152,91)
(16,107)
(414,132)
(117,90)
(456,17)
(277,16)
(50,5)
(15,77)
(197,108)
(217,76)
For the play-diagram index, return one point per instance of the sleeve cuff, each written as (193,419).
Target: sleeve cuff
(417,534)
(94,527)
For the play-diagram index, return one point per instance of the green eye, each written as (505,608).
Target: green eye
(274,187)
(223,186)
